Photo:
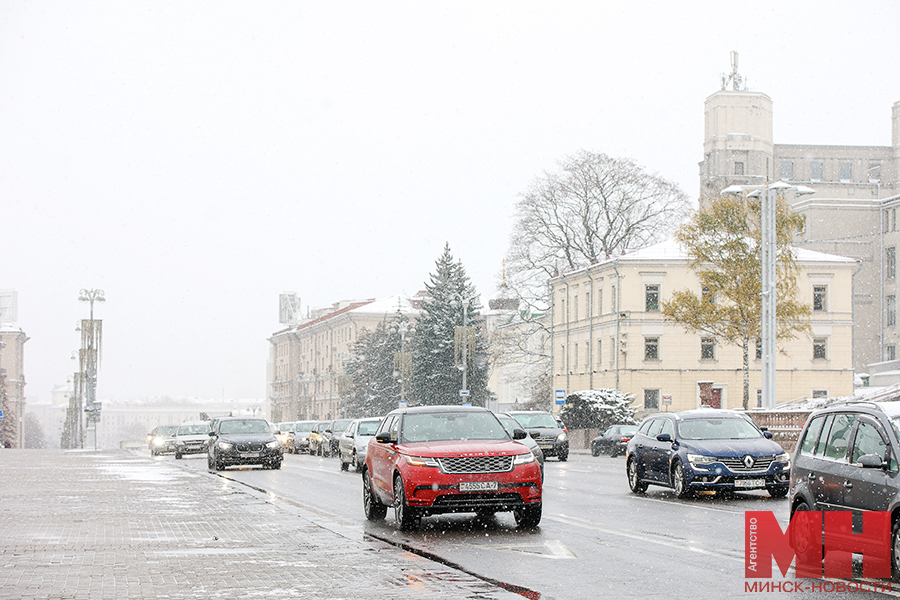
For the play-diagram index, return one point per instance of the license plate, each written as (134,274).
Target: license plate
(478,486)
(749,483)
(249,454)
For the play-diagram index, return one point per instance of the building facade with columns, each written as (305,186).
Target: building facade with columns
(608,332)
(852,213)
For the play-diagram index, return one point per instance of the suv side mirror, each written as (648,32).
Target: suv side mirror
(384,438)
(767,434)
(871,461)
(519,434)
(211,433)
(664,437)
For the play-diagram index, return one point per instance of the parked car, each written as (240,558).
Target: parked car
(510,424)
(301,432)
(319,444)
(162,439)
(285,436)
(549,433)
(846,459)
(440,459)
(354,442)
(334,433)
(613,441)
(191,437)
(243,441)
(706,449)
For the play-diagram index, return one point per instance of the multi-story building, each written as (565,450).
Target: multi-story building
(608,332)
(306,367)
(853,212)
(12,365)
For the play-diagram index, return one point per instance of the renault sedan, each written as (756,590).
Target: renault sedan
(706,450)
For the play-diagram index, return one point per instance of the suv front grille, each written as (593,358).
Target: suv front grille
(476,464)
(760,463)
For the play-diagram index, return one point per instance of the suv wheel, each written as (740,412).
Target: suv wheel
(406,515)
(895,550)
(528,515)
(634,477)
(373,508)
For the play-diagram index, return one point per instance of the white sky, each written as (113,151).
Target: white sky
(194,159)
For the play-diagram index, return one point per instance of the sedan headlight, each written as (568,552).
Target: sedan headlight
(523,459)
(561,437)
(158,442)
(225,446)
(422,461)
(273,444)
(700,459)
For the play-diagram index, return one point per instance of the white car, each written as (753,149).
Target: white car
(192,437)
(354,442)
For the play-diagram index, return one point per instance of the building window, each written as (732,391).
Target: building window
(599,353)
(890,262)
(708,295)
(612,350)
(562,310)
(599,301)
(787,170)
(890,353)
(707,348)
(758,398)
(758,348)
(891,310)
(820,393)
(820,294)
(651,296)
(819,348)
(874,172)
(846,171)
(815,171)
(614,300)
(575,306)
(738,168)
(587,303)
(651,348)
(651,399)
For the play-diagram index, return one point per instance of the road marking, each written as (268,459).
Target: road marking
(553,549)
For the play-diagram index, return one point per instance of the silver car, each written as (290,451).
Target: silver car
(192,437)
(354,442)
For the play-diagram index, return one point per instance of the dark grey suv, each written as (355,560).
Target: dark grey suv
(846,459)
(549,434)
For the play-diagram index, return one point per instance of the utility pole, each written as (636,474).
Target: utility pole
(91,336)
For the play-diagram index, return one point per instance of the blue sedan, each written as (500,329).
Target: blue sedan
(708,450)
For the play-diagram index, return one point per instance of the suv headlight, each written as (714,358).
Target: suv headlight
(225,445)
(785,459)
(700,459)
(273,444)
(523,459)
(422,461)
(561,437)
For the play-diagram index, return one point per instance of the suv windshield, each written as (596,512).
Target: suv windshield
(197,429)
(166,430)
(717,429)
(245,426)
(433,427)
(537,419)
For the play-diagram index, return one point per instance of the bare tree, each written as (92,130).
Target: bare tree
(592,207)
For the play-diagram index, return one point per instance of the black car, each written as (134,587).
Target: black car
(613,441)
(706,450)
(334,433)
(551,435)
(846,459)
(243,441)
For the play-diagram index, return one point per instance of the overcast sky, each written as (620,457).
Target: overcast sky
(195,159)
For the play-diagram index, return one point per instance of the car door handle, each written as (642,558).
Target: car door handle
(848,485)
(811,476)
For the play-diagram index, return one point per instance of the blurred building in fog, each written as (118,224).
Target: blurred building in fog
(853,212)
(12,369)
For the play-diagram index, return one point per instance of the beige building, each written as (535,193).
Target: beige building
(12,363)
(608,332)
(853,212)
(306,366)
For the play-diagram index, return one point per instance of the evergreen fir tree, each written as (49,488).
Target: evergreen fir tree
(436,378)
(8,423)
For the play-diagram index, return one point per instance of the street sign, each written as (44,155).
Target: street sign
(667,398)
(560,397)
(1,415)
(403,404)
(464,393)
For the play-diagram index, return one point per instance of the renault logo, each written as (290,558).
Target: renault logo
(748,461)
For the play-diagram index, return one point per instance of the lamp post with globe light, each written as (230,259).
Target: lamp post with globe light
(91,335)
(464,338)
(403,359)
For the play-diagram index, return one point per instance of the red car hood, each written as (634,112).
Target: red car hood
(467,448)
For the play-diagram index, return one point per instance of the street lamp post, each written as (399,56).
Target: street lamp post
(768,195)
(90,345)
(402,362)
(463,339)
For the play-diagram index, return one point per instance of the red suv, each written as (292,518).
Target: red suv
(441,459)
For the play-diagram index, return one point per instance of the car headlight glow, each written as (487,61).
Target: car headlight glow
(422,461)
(561,437)
(158,442)
(700,459)
(225,445)
(273,444)
(523,459)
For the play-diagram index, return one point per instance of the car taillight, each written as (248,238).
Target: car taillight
(624,439)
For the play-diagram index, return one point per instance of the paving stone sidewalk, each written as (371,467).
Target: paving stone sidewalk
(114,525)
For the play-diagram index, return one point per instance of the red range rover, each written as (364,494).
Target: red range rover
(441,459)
